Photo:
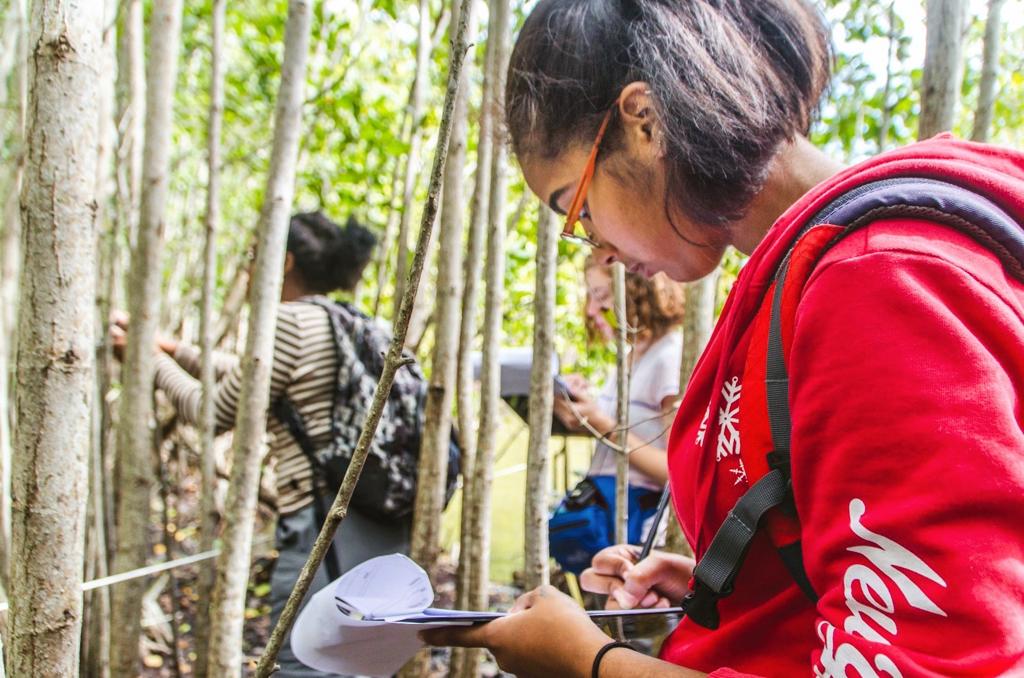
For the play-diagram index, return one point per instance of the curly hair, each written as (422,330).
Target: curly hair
(654,306)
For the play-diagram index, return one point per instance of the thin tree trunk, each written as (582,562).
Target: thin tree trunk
(55,357)
(207,421)
(384,247)
(698,323)
(433,466)
(399,180)
(989,72)
(95,641)
(430,489)
(943,66)
(130,95)
(135,427)
(472,268)
(234,300)
(228,606)
(10,266)
(420,87)
(131,115)
(483,467)
(890,58)
(393,361)
(538,471)
(622,360)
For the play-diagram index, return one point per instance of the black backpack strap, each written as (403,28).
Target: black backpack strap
(284,409)
(716,572)
(909,197)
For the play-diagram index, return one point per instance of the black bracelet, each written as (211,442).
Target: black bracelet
(601,653)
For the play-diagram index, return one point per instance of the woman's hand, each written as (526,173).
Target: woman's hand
(582,408)
(546,634)
(660,580)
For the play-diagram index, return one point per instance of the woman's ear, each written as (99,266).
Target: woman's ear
(289,262)
(640,121)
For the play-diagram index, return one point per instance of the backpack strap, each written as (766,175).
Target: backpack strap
(936,201)
(288,414)
(284,409)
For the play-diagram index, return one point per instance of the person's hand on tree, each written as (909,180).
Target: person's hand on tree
(546,634)
(118,339)
(119,322)
(660,580)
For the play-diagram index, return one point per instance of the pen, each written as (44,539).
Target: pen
(653,533)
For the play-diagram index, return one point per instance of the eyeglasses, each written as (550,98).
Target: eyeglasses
(572,217)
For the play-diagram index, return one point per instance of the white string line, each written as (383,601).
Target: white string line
(511,470)
(146,571)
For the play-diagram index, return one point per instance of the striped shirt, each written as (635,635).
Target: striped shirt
(305,369)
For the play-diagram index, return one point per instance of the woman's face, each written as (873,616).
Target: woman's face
(599,300)
(628,217)
(626,211)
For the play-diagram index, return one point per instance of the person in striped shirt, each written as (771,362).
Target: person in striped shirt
(322,257)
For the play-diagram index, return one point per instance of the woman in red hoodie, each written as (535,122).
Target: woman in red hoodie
(672,129)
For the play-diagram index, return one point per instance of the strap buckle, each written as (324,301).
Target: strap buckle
(701,605)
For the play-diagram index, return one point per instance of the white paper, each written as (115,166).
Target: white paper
(365,622)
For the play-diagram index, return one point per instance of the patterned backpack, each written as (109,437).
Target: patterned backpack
(387,485)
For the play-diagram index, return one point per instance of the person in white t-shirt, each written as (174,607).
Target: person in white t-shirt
(654,311)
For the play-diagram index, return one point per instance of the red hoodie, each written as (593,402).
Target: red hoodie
(906,383)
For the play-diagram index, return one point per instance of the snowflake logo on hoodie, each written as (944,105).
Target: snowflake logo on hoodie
(729,420)
(702,431)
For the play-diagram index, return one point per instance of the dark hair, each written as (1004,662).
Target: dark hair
(329,256)
(731,80)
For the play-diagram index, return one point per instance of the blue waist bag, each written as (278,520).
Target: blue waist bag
(584,522)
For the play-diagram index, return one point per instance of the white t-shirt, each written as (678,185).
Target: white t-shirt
(654,377)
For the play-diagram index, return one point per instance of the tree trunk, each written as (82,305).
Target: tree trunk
(384,246)
(541,401)
(466,662)
(234,300)
(228,606)
(622,362)
(135,427)
(392,362)
(416,105)
(890,58)
(483,466)
(55,358)
(698,322)
(95,640)
(472,269)
(943,65)
(989,72)
(208,516)
(131,114)
(433,467)
(10,265)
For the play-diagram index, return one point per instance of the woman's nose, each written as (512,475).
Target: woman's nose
(605,254)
